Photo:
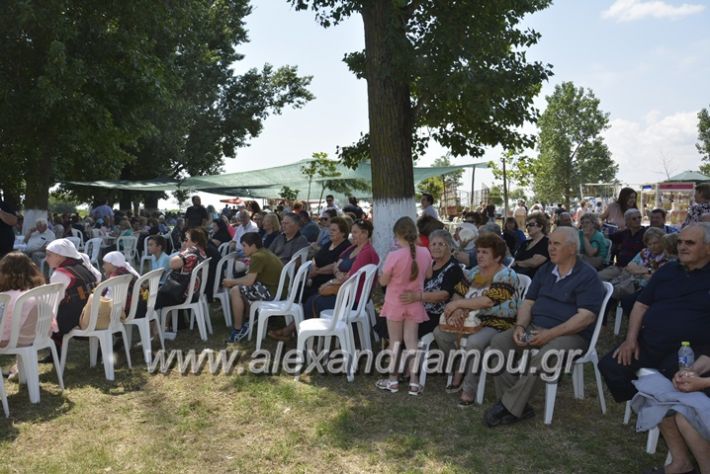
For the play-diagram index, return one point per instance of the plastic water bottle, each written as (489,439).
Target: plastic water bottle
(686,356)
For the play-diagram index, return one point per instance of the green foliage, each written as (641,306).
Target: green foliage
(60,204)
(135,90)
(572,150)
(463,64)
(288,193)
(703,144)
(519,168)
(321,168)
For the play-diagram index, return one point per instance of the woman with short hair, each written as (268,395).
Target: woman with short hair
(533,253)
(272,228)
(489,291)
(592,245)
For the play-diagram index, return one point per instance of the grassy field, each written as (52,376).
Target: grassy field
(253,423)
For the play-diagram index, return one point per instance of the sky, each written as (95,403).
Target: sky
(647,61)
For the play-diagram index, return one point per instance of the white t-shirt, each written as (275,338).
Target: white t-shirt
(430,211)
(241,230)
(39,239)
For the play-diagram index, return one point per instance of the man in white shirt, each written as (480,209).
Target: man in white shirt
(37,239)
(330,204)
(428,208)
(246,225)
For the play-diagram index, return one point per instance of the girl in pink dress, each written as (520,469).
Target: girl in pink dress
(404,270)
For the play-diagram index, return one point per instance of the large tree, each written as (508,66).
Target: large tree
(455,72)
(703,144)
(135,89)
(572,150)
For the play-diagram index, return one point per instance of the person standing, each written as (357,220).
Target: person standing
(428,208)
(8,219)
(405,270)
(196,215)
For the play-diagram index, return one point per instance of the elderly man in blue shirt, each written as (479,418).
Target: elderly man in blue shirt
(672,308)
(558,314)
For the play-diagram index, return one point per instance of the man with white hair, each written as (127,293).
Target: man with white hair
(673,307)
(558,314)
(625,244)
(37,239)
(246,225)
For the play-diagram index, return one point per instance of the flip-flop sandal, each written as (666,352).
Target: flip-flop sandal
(415,389)
(451,388)
(466,403)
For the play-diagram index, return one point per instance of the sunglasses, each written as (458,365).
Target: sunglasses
(531,224)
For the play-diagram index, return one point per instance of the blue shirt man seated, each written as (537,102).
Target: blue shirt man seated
(672,308)
(559,312)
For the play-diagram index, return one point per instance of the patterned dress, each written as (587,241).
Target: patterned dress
(502,290)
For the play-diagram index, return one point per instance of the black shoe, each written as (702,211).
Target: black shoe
(498,414)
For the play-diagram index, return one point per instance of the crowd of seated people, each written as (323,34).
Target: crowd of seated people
(460,280)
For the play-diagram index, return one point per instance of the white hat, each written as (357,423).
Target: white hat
(117,259)
(65,248)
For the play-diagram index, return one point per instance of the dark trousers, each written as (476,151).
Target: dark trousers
(618,377)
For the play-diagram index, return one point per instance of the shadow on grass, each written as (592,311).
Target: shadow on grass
(53,404)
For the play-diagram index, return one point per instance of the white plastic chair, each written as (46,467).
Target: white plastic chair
(128,246)
(289,308)
(653,433)
(80,235)
(197,308)
(360,315)
(152,278)
(146,257)
(3,396)
(118,288)
(93,249)
(4,299)
(336,326)
(76,241)
(301,256)
(607,260)
(223,249)
(45,298)
(578,371)
(520,292)
(221,293)
(287,273)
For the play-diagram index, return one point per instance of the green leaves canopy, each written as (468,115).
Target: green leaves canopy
(572,150)
(136,89)
(703,144)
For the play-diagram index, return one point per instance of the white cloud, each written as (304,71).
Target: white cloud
(640,148)
(630,10)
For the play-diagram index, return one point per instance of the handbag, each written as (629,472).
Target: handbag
(470,325)
(104,317)
(329,289)
(175,286)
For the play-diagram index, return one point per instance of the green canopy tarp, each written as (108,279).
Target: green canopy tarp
(686,176)
(267,183)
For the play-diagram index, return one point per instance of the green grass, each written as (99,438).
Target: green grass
(250,423)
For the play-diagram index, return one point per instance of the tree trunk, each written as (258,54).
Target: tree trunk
(151,201)
(126,201)
(390,117)
(39,178)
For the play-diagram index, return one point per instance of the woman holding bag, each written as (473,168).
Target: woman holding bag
(479,310)
(359,254)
